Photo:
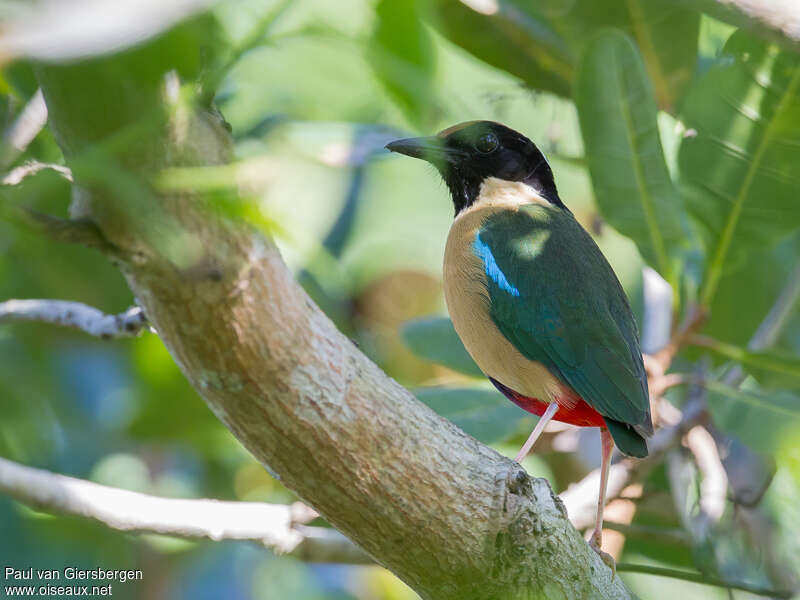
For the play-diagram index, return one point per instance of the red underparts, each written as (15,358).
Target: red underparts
(573,409)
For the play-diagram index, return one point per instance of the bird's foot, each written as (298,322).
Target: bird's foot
(596,542)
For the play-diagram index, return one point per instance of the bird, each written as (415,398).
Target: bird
(532,297)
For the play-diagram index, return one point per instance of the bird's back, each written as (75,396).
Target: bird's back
(538,307)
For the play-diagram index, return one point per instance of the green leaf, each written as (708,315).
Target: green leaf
(741,159)
(745,295)
(402,56)
(435,339)
(484,414)
(665,35)
(768,366)
(618,118)
(540,42)
(510,39)
(758,417)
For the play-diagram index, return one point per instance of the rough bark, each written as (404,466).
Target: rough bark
(448,515)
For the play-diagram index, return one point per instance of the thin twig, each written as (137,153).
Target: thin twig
(657,318)
(664,382)
(278,527)
(694,319)
(702,579)
(714,479)
(73,231)
(70,231)
(75,314)
(18,174)
(579,497)
(695,519)
(24,130)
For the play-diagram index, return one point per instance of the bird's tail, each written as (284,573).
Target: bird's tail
(627,439)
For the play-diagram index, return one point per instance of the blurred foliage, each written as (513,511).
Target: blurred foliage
(402,54)
(435,339)
(620,130)
(673,138)
(541,43)
(776,413)
(483,413)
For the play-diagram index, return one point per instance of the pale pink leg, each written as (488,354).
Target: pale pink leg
(552,408)
(596,541)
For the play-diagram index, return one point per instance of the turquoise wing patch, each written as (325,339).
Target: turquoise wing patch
(554,296)
(493,272)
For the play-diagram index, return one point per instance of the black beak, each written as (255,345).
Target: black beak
(431,149)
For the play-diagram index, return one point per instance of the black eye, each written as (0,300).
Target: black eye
(486,143)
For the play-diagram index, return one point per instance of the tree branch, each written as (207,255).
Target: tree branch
(69,231)
(713,493)
(74,314)
(277,527)
(448,515)
(72,231)
(17,174)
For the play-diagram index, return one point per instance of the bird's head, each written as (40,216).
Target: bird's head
(469,153)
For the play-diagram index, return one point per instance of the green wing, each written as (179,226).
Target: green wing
(557,300)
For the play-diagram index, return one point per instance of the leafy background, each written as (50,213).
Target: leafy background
(674,139)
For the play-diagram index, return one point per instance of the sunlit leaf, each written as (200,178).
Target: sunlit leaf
(510,39)
(618,117)
(757,417)
(484,414)
(747,293)
(401,54)
(742,153)
(541,42)
(664,32)
(435,339)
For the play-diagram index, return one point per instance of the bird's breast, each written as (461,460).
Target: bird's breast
(467,297)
